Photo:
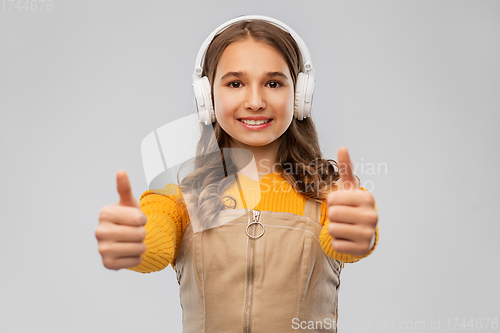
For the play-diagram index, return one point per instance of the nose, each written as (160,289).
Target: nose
(255,99)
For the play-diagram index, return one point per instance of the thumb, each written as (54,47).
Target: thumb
(347,179)
(125,190)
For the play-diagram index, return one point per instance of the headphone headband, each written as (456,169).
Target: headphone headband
(303,48)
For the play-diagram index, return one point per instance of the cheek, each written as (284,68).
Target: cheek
(286,105)
(223,105)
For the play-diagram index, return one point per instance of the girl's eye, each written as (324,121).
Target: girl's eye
(273,84)
(230,84)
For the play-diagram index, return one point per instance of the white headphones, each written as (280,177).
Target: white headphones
(304,89)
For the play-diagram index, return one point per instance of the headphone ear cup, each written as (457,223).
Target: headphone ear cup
(303,96)
(203,96)
(298,107)
(308,95)
(208,97)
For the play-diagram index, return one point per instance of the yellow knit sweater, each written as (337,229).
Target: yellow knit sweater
(166,221)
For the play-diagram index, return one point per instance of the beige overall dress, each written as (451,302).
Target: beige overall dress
(261,272)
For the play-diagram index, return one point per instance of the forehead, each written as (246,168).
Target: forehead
(253,57)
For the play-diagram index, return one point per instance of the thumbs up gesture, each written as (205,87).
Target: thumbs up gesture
(120,232)
(351,212)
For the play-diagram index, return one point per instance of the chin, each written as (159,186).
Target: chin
(259,144)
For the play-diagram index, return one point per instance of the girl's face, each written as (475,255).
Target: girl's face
(253,94)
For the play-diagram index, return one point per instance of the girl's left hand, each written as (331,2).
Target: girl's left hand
(351,211)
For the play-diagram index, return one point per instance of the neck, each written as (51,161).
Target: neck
(261,161)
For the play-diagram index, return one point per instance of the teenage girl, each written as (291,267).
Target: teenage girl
(271,266)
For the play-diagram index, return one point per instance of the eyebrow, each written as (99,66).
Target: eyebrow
(241,74)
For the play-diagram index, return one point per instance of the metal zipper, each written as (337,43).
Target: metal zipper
(256,220)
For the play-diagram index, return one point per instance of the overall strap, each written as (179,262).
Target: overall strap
(312,210)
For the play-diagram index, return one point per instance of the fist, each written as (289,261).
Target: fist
(351,212)
(120,232)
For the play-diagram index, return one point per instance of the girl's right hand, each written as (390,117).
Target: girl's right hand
(120,232)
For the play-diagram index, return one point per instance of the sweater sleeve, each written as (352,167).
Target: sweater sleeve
(166,221)
(326,240)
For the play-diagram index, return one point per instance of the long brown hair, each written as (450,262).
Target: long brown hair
(308,172)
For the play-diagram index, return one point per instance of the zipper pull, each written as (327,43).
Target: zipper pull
(256,220)
(256,215)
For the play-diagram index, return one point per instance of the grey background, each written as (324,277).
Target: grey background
(412,85)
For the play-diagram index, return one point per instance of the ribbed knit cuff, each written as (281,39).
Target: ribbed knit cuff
(161,237)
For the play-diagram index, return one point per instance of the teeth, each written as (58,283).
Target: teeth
(254,122)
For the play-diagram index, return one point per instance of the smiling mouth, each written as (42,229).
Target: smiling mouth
(255,122)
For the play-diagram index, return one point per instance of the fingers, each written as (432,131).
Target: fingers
(119,263)
(347,179)
(121,250)
(117,255)
(125,190)
(349,247)
(350,198)
(351,211)
(353,215)
(108,231)
(351,239)
(350,232)
(122,215)
(120,232)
